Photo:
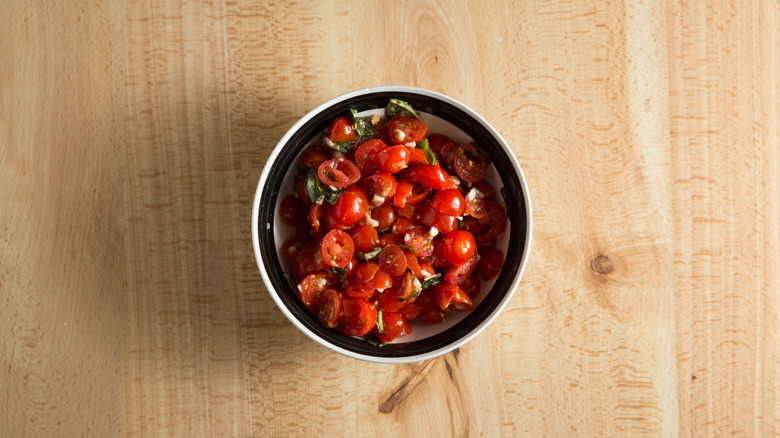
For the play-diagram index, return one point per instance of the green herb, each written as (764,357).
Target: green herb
(482,151)
(397,106)
(379,344)
(383,231)
(340,273)
(433,280)
(369,255)
(416,292)
(409,248)
(423,144)
(361,125)
(344,147)
(318,191)
(380,327)
(461,223)
(503,193)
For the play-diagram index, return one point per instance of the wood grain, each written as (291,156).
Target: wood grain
(134,132)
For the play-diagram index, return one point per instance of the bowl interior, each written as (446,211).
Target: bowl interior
(441,117)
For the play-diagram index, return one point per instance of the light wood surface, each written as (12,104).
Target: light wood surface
(132,135)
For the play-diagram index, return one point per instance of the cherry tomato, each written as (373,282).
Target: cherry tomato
(392,159)
(307,261)
(387,301)
(432,176)
(475,205)
(409,193)
(495,217)
(365,238)
(392,260)
(491,264)
(430,311)
(358,317)
(451,297)
(311,158)
(473,226)
(436,141)
(390,239)
(394,326)
(408,211)
(329,220)
(358,290)
(382,280)
(366,271)
(365,155)
(382,185)
(310,288)
(300,190)
(291,247)
(447,155)
(459,274)
(469,164)
(410,311)
(485,188)
(385,215)
(413,264)
(316,215)
(459,246)
(330,308)
(350,207)
(432,218)
(337,249)
(403,130)
(402,225)
(437,257)
(417,156)
(338,172)
(449,202)
(404,286)
(471,286)
(341,129)
(419,239)
(291,210)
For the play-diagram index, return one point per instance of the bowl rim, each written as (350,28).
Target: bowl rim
(456,343)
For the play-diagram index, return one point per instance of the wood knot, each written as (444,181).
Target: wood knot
(602,264)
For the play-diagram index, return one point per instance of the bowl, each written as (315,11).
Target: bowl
(443,115)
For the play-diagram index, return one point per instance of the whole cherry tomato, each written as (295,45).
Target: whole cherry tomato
(393,326)
(350,207)
(341,129)
(433,177)
(330,308)
(459,247)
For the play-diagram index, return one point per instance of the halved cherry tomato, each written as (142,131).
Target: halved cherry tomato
(307,261)
(436,141)
(366,153)
(310,288)
(437,257)
(471,286)
(413,264)
(491,264)
(380,185)
(419,239)
(381,280)
(392,260)
(387,301)
(337,249)
(410,311)
(358,317)
(404,286)
(330,308)
(449,202)
(338,172)
(390,239)
(291,247)
(329,220)
(341,129)
(432,176)
(300,190)
(358,290)
(430,311)
(384,214)
(394,326)
(485,188)
(475,205)
(350,207)
(452,297)
(311,158)
(472,225)
(409,193)
(460,273)
(459,247)
(366,271)
(402,225)
(403,130)
(432,218)
(417,156)
(408,211)
(469,164)
(392,159)
(291,210)
(447,155)
(364,237)
(495,217)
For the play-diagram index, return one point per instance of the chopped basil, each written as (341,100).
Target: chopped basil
(344,147)
(482,151)
(318,191)
(423,144)
(400,107)
(361,125)
(383,231)
(461,223)
(369,255)
(503,193)
(380,327)
(379,344)
(431,281)
(409,248)
(340,273)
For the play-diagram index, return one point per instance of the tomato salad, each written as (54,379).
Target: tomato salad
(392,224)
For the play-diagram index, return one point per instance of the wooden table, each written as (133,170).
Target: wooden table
(133,134)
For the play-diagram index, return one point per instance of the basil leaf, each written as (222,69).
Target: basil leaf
(379,344)
(338,272)
(461,223)
(361,125)
(409,248)
(318,191)
(397,106)
(369,255)
(344,147)
(380,327)
(482,151)
(423,144)
(383,231)
(431,281)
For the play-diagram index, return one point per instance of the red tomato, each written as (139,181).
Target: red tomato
(316,215)
(337,249)
(338,172)
(351,267)
(460,273)
(413,264)
(357,290)
(392,260)
(496,218)
(451,297)
(410,310)
(358,317)
(385,215)
(291,247)
(419,239)
(364,237)
(330,308)
(394,326)
(430,311)
(436,141)
(475,205)
(291,210)
(459,246)
(366,271)
(404,286)
(471,286)
(485,188)
(409,193)
(473,226)
(310,288)
(491,264)
(447,155)
(350,207)
(392,159)
(390,239)
(329,220)
(469,164)
(403,130)
(402,225)
(387,301)
(366,153)
(311,158)
(432,176)
(449,202)
(380,184)
(437,257)
(307,261)
(341,129)
(408,211)
(381,280)
(417,156)
(432,218)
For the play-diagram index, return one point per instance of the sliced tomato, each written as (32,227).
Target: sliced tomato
(350,207)
(459,247)
(392,260)
(394,326)
(404,286)
(451,297)
(433,177)
(402,225)
(364,237)
(461,302)
(380,185)
(357,290)
(447,155)
(402,130)
(330,308)
(419,239)
(472,225)
(381,280)
(393,159)
(417,156)
(366,271)
(432,218)
(329,220)
(341,129)
(408,211)
(338,172)
(387,301)
(459,274)
(485,188)
(437,141)
(413,264)
(366,153)
(475,204)
(316,215)
(311,158)
(310,288)
(410,311)
(390,239)
(449,202)
(384,214)
(495,218)
(358,317)
(337,249)
(300,189)
(307,261)
(291,247)
(469,164)
(472,286)
(409,193)
(490,265)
